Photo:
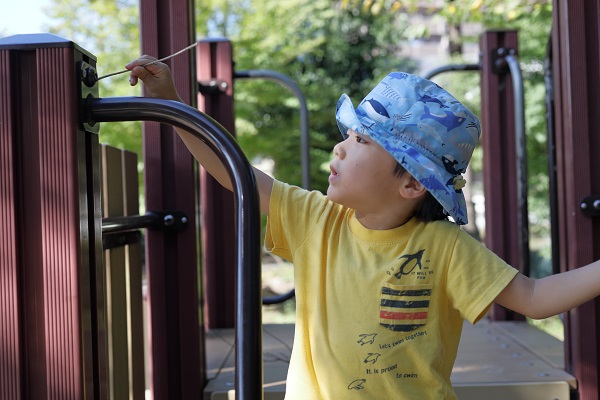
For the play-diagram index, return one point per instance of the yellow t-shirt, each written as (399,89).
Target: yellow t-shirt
(379,313)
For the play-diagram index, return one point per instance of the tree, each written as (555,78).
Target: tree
(326,50)
(110,31)
(533,20)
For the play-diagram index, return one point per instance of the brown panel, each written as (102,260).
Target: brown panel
(123,266)
(10,343)
(214,61)
(576,62)
(133,252)
(59,222)
(46,202)
(499,157)
(116,286)
(175,335)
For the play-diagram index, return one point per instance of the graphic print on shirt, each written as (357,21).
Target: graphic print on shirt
(372,358)
(357,384)
(411,261)
(366,338)
(403,309)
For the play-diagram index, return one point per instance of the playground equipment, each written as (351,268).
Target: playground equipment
(87,327)
(52,303)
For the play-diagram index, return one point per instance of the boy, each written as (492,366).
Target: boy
(383,280)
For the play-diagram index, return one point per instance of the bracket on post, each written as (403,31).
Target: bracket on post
(212,86)
(120,231)
(165,221)
(88,77)
(499,63)
(590,206)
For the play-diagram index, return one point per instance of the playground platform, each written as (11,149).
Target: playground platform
(496,360)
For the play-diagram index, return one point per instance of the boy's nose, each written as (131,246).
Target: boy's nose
(338,150)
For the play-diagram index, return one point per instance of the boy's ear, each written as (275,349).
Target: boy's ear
(411,188)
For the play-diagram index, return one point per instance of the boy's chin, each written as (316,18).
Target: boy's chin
(330,193)
(333,196)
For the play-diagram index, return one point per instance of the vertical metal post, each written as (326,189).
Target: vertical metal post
(177,364)
(51,308)
(576,62)
(499,159)
(215,62)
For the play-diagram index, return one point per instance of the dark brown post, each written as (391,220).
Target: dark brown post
(11,342)
(176,334)
(576,62)
(51,312)
(499,155)
(215,98)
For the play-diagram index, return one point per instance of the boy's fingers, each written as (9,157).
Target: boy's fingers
(133,80)
(145,59)
(139,72)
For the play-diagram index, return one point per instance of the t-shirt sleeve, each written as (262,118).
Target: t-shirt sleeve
(293,214)
(476,276)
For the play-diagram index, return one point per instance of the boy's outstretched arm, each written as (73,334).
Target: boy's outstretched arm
(545,297)
(159,84)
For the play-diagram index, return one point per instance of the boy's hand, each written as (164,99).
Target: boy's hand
(156,77)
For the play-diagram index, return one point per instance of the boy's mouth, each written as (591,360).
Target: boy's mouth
(333,170)
(334,174)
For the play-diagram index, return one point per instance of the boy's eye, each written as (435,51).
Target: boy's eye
(360,139)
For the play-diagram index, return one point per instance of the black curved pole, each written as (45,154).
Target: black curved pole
(248,321)
(452,67)
(521,155)
(304,144)
(304,129)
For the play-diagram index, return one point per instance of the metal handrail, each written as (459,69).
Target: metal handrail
(168,221)
(507,58)
(452,68)
(304,132)
(304,144)
(521,155)
(248,320)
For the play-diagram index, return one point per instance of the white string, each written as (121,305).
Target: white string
(151,62)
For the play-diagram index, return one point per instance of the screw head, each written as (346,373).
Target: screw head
(89,76)
(168,220)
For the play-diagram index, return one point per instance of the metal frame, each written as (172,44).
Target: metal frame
(576,101)
(249,371)
(304,131)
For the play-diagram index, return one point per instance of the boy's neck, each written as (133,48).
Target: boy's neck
(383,221)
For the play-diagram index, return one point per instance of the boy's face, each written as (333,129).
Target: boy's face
(362,175)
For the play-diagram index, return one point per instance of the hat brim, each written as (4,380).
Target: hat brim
(431,175)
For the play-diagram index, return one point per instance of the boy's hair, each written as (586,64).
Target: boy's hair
(430,209)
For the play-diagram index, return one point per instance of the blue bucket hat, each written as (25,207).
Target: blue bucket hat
(430,133)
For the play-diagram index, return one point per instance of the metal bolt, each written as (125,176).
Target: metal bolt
(169,220)
(584,206)
(89,76)
(597,204)
(184,220)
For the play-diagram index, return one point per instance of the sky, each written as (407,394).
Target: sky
(23,16)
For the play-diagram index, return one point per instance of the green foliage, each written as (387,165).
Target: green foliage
(110,31)
(326,50)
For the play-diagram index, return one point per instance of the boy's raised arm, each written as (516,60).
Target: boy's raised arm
(159,84)
(545,297)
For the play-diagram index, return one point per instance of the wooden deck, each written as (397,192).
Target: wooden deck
(496,360)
